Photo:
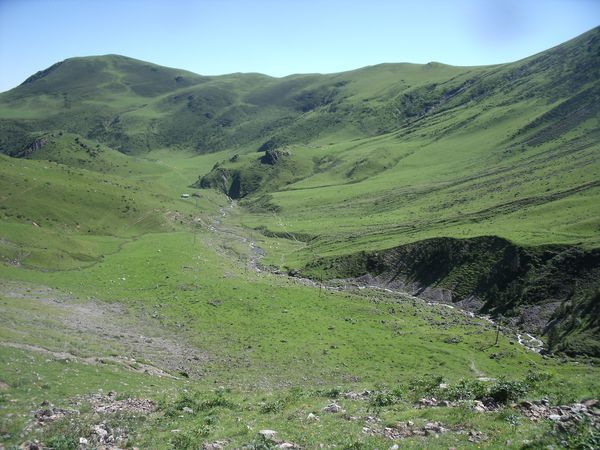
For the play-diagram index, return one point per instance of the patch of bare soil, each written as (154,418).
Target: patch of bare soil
(110,404)
(128,340)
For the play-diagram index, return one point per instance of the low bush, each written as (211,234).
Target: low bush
(504,391)
(467,389)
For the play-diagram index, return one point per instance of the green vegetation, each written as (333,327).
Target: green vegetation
(164,320)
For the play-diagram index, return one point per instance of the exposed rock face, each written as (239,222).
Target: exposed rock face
(239,182)
(33,147)
(272,156)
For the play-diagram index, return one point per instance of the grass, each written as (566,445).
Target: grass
(107,271)
(265,339)
(270,342)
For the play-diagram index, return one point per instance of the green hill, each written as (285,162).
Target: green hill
(297,241)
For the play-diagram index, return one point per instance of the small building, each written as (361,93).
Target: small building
(185,195)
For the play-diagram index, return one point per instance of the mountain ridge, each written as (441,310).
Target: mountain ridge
(278,105)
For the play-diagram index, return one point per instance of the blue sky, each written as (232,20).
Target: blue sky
(280,37)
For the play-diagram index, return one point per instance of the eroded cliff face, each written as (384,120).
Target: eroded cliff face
(550,290)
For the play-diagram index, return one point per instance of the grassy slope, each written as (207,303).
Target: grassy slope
(458,187)
(514,153)
(247,325)
(462,172)
(57,216)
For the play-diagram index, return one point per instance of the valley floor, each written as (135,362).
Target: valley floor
(181,340)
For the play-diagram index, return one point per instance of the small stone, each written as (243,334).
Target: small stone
(479,407)
(578,408)
(100,430)
(554,417)
(434,427)
(188,410)
(394,447)
(31,446)
(313,417)
(286,445)
(592,403)
(212,446)
(268,434)
(333,408)
(83,441)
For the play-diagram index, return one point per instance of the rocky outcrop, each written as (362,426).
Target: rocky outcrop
(272,156)
(34,146)
(241,181)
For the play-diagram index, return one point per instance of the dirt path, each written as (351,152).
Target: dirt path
(481,376)
(94,331)
(129,364)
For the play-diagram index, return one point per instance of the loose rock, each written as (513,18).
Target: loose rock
(268,434)
(333,408)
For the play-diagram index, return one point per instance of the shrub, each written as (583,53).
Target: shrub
(260,443)
(533,378)
(384,398)
(425,386)
(504,391)
(332,393)
(467,389)
(196,401)
(274,406)
(63,443)
(189,439)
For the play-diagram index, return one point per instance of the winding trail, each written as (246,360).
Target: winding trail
(127,363)
(96,332)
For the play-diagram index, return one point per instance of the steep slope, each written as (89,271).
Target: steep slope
(545,290)
(517,106)
(513,152)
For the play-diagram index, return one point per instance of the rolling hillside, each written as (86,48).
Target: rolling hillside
(240,253)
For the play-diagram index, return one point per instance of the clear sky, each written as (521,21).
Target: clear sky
(280,37)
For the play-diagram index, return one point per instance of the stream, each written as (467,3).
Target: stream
(256,253)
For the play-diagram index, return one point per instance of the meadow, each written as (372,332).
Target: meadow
(177,314)
(132,315)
